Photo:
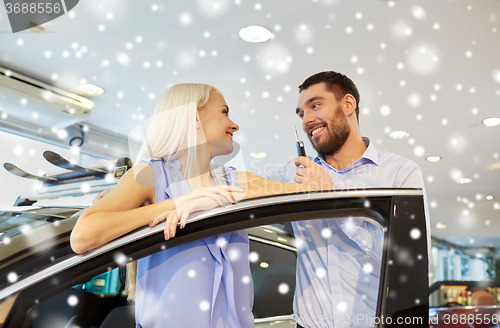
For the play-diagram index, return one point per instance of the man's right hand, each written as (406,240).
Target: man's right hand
(313,174)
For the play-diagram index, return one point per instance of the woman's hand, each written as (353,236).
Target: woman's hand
(221,194)
(198,200)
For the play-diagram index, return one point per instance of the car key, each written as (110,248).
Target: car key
(301,151)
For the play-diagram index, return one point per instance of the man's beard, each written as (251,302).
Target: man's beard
(337,131)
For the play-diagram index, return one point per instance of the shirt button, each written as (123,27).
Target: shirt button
(367,249)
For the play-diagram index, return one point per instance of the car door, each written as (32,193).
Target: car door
(401,296)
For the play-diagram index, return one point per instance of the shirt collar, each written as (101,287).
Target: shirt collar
(369,154)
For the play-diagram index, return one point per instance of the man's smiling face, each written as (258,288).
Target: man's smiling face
(323,119)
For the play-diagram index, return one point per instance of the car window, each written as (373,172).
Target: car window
(107,284)
(272,261)
(273,274)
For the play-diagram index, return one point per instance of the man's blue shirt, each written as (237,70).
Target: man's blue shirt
(339,259)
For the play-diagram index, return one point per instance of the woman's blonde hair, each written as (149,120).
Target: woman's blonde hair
(172,131)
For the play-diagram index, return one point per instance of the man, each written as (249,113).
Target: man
(339,260)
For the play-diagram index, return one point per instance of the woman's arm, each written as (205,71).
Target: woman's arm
(258,186)
(119,212)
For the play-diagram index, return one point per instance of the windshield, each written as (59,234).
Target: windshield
(15,223)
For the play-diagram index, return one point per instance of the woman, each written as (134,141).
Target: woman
(207,278)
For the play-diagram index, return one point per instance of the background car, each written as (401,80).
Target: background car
(464,304)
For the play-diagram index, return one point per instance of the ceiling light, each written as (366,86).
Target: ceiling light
(464,180)
(258,155)
(282,239)
(399,135)
(255,34)
(440,226)
(481,197)
(491,121)
(264,265)
(92,90)
(433,158)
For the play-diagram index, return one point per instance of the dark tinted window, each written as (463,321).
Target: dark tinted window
(14,223)
(273,273)
(106,284)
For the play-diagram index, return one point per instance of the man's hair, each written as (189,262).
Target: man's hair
(337,83)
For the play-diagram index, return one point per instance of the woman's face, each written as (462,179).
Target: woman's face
(217,126)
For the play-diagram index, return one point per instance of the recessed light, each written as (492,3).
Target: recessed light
(399,135)
(464,180)
(264,265)
(255,34)
(489,197)
(440,226)
(491,121)
(91,89)
(267,230)
(282,239)
(433,158)
(258,155)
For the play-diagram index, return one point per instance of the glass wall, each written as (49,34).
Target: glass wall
(450,264)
